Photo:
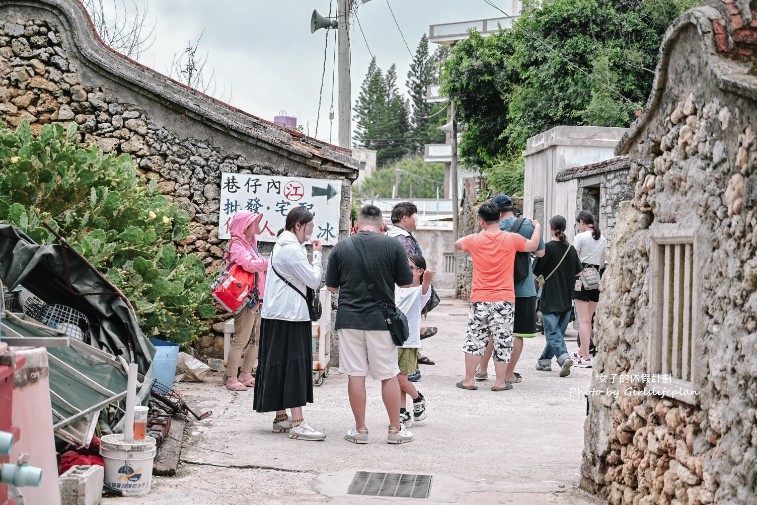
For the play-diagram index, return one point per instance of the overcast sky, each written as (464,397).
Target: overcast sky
(264,54)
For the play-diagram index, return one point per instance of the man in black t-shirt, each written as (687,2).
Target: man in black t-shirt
(365,344)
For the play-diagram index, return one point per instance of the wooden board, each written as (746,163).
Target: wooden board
(170,452)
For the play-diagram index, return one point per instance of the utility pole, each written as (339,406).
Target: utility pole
(345,95)
(396,187)
(453,178)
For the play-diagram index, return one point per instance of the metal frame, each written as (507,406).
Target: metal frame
(57,341)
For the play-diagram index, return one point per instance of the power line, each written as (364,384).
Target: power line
(396,138)
(444,108)
(400,29)
(555,51)
(363,33)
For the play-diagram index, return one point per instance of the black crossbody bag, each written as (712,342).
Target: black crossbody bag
(313,301)
(396,322)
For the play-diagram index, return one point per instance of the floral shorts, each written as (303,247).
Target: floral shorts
(495,319)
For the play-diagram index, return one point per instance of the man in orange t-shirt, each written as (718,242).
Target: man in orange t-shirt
(492,293)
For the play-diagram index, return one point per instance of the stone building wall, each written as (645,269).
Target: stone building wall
(693,167)
(601,188)
(53,68)
(615,189)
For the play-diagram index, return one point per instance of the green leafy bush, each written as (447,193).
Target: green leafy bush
(506,176)
(115,219)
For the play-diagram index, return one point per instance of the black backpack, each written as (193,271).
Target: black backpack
(522,259)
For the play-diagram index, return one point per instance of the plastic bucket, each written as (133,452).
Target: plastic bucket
(128,465)
(164,364)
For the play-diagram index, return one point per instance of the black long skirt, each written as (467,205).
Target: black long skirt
(284,377)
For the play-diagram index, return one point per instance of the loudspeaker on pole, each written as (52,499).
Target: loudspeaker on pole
(317,22)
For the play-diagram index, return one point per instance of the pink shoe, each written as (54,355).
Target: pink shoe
(234,385)
(247,379)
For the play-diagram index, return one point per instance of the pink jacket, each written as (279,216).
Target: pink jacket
(244,253)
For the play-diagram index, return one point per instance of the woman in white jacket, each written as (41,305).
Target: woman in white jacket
(284,377)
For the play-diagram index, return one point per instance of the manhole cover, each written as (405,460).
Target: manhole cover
(400,485)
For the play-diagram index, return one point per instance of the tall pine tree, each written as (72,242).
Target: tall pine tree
(369,108)
(419,78)
(381,116)
(395,124)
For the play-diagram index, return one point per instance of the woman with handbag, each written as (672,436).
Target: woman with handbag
(557,271)
(285,377)
(243,251)
(591,247)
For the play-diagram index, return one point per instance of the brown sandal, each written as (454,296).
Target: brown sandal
(424,360)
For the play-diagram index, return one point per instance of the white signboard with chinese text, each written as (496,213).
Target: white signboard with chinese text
(274,197)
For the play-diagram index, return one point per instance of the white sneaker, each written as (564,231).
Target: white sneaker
(565,367)
(282,426)
(305,432)
(398,437)
(357,436)
(583,363)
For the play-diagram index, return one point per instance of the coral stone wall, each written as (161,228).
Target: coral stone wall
(615,189)
(602,187)
(694,169)
(54,69)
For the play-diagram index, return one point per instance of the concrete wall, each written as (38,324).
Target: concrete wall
(562,147)
(54,68)
(435,244)
(366,161)
(693,167)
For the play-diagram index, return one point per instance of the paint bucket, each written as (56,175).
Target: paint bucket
(164,364)
(128,465)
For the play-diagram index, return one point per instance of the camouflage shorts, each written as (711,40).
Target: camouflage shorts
(495,319)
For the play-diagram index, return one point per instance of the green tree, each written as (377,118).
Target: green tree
(381,116)
(506,175)
(478,77)
(118,221)
(424,72)
(417,179)
(571,62)
(369,108)
(395,123)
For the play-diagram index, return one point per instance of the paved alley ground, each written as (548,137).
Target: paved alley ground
(521,446)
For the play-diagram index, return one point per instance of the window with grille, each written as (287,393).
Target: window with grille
(672,349)
(449,263)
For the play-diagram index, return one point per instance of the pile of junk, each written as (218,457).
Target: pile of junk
(81,412)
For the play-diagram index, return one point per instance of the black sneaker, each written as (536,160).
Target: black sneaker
(406,418)
(414,377)
(419,408)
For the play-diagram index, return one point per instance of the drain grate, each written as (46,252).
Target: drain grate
(399,485)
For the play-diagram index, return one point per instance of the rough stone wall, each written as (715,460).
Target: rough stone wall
(693,166)
(468,224)
(45,79)
(615,189)
(587,199)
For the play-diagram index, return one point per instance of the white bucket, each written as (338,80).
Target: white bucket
(128,465)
